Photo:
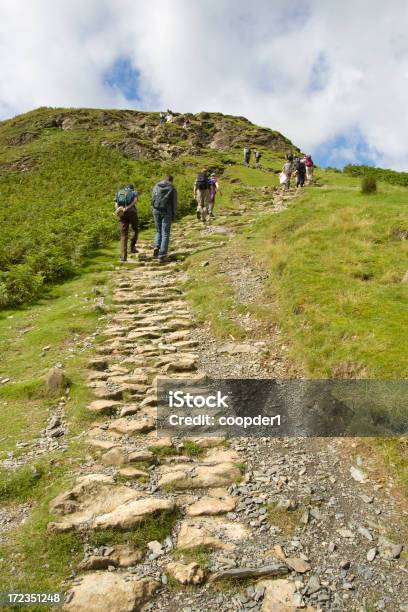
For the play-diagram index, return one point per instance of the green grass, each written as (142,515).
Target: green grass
(335,273)
(212,297)
(62,322)
(199,554)
(191,449)
(287,520)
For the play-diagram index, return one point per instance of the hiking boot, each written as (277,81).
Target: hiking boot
(163,259)
(212,216)
(156,251)
(134,250)
(123,259)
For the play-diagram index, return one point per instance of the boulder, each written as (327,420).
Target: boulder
(279,595)
(106,591)
(129,427)
(212,532)
(132,472)
(213,504)
(199,476)
(56,380)
(91,496)
(115,456)
(186,574)
(129,514)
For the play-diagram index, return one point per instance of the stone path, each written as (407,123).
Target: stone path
(311,529)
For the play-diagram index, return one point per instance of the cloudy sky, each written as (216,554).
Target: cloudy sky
(332,76)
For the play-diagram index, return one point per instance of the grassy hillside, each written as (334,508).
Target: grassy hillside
(59,170)
(336,260)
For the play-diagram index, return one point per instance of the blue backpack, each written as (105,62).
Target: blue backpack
(124,197)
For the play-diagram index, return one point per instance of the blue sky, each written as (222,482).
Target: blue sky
(332,77)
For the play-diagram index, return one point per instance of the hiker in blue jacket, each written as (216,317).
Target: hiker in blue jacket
(164,208)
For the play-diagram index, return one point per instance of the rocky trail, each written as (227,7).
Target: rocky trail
(258,523)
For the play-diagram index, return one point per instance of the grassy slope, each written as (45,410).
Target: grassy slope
(336,268)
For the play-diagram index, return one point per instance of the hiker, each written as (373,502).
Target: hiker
(258,156)
(309,169)
(287,171)
(300,170)
(162,118)
(247,156)
(214,186)
(125,200)
(202,194)
(169,116)
(164,208)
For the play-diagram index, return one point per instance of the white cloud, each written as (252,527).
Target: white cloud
(309,69)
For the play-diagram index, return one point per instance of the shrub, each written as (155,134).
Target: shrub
(368,184)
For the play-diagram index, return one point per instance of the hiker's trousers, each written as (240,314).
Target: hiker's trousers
(203,202)
(129,219)
(309,174)
(162,221)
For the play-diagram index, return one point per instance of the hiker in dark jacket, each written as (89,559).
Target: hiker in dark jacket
(247,156)
(125,200)
(164,208)
(300,170)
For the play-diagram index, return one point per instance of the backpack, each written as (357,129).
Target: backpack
(162,198)
(202,181)
(124,197)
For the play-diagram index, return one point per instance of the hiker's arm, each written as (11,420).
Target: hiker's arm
(133,202)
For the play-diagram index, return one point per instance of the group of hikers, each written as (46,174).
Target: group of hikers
(247,157)
(164,208)
(301,168)
(206,187)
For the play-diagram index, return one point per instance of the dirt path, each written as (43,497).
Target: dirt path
(294,509)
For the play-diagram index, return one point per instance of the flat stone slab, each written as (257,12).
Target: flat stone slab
(108,591)
(143,424)
(213,504)
(213,532)
(185,573)
(129,514)
(92,495)
(233,348)
(199,476)
(104,406)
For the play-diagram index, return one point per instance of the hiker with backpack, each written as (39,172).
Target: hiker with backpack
(247,156)
(300,170)
(125,209)
(287,172)
(202,194)
(164,208)
(258,156)
(309,169)
(214,186)
(162,118)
